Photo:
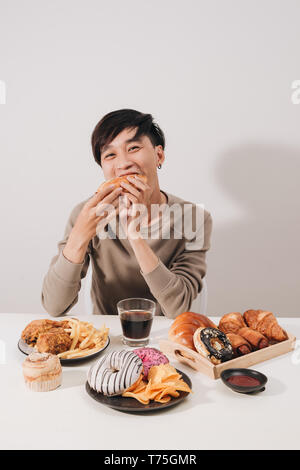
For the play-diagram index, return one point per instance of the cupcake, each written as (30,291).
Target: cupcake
(42,372)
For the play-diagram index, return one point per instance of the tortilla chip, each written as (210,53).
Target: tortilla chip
(164,382)
(162,373)
(138,396)
(136,384)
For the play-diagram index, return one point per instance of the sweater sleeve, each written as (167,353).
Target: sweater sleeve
(176,286)
(62,282)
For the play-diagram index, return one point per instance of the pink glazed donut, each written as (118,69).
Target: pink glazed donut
(150,357)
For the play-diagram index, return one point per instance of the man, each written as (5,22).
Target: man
(168,270)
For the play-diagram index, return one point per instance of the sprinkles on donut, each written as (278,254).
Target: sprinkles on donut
(150,357)
(213,344)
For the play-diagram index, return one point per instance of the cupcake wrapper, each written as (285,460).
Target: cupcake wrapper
(44,385)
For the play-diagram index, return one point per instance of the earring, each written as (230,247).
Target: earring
(159,166)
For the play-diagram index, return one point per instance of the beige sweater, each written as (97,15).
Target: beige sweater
(173,284)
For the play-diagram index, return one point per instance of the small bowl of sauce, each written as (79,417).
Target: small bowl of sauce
(244,380)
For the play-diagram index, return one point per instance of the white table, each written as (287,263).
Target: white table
(213,417)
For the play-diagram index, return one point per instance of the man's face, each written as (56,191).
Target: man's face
(123,156)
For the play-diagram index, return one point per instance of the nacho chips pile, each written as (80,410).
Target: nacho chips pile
(163,383)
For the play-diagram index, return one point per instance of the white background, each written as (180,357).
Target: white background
(217,77)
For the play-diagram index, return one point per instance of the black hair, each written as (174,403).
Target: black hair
(115,122)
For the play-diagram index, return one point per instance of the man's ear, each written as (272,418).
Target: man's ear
(160,154)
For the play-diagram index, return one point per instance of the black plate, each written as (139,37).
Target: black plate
(250,373)
(131,404)
(26,349)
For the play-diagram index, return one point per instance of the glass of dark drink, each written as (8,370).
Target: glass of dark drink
(136,317)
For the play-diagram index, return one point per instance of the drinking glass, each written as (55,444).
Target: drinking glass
(136,316)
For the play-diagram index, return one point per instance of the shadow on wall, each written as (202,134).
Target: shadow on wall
(254,262)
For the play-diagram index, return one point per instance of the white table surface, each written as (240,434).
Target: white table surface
(213,417)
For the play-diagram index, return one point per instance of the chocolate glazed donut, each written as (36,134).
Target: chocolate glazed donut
(213,344)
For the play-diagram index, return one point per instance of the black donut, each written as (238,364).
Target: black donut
(221,355)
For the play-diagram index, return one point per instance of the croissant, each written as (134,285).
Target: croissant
(256,339)
(184,326)
(239,344)
(231,322)
(266,324)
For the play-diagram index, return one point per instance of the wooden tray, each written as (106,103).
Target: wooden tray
(196,361)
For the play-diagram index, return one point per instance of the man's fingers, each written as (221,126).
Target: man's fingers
(130,188)
(103,222)
(112,202)
(105,207)
(123,210)
(114,195)
(101,194)
(138,182)
(132,198)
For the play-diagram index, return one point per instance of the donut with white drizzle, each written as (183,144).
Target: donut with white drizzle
(115,372)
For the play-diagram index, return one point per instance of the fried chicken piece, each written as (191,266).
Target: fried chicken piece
(54,341)
(32,331)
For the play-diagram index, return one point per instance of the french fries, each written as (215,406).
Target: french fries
(86,339)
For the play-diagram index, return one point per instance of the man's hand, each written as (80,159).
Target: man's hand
(128,218)
(94,216)
(134,204)
(139,192)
